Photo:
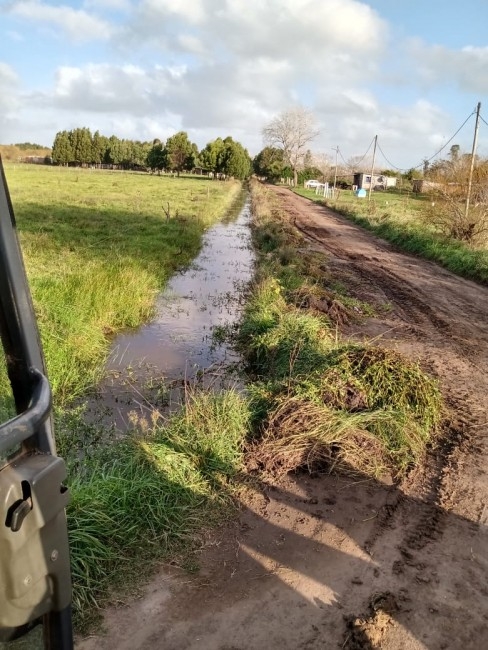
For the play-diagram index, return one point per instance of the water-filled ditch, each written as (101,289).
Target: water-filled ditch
(151,367)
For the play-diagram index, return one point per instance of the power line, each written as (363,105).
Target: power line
(426,160)
(367,150)
(400,169)
(361,160)
(445,145)
(421,164)
(482,118)
(340,154)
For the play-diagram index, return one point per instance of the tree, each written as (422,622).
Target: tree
(234,160)
(81,143)
(292,131)
(157,156)
(454,153)
(323,163)
(269,163)
(99,148)
(180,152)
(139,152)
(62,151)
(357,164)
(210,156)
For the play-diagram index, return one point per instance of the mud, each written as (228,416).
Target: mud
(331,562)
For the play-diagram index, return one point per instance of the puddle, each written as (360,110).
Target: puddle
(150,367)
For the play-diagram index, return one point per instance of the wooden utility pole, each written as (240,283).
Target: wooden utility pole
(372,168)
(473,155)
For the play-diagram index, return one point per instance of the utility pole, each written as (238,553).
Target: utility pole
(335,173)
(473,154)
(372,167)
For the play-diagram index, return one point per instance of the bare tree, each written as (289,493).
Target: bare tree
(323,162)
(292,131)
(357,164)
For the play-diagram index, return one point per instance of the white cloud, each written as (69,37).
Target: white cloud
(191,12)
(117,5)
(406,134)
(9,82)
(78,24)
(9,102)
(298,29)
(105,88)
(466,67)
(341,35)
(226,67)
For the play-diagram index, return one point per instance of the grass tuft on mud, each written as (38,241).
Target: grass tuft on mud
(318,402)
(147,497)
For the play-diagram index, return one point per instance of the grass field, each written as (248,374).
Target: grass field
(408,221)
(98,246)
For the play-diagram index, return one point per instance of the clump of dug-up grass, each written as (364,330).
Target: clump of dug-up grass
(142,498)
(317,402)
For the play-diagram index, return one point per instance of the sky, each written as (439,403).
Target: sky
(409,72)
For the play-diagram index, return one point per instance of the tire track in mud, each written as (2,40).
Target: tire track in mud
(439,329)
(442,320)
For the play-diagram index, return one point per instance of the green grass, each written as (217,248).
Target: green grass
(318,401)
(149,496)
(404,220)
(98,247)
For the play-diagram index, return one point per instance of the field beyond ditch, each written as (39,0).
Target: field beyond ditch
(98,247)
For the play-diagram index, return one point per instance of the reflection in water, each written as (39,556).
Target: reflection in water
(179,346)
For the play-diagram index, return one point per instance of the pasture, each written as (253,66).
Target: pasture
(98,246)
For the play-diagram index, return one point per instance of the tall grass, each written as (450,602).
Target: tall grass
(318,401)
(148,496)
(405,221)
(98,246)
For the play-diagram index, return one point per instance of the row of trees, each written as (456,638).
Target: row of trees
(219,156)
(177,154)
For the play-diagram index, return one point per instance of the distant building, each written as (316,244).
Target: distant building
(380,181)
(419,186)
(37,160)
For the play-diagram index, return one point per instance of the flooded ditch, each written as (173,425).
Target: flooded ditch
(149,368)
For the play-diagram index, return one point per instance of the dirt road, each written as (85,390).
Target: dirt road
(329,562)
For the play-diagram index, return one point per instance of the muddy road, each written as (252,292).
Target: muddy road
(332,562)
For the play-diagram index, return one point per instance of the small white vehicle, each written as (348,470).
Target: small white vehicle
(312,184)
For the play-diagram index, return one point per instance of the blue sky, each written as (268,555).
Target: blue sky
(409,72)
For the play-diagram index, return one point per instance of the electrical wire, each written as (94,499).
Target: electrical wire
(421,164)
(427,160)
(358,162)
(400,169)
(448,142)
(482,118)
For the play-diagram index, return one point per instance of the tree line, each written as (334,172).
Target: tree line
(177,154)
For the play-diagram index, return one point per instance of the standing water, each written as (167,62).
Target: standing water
(149,368)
